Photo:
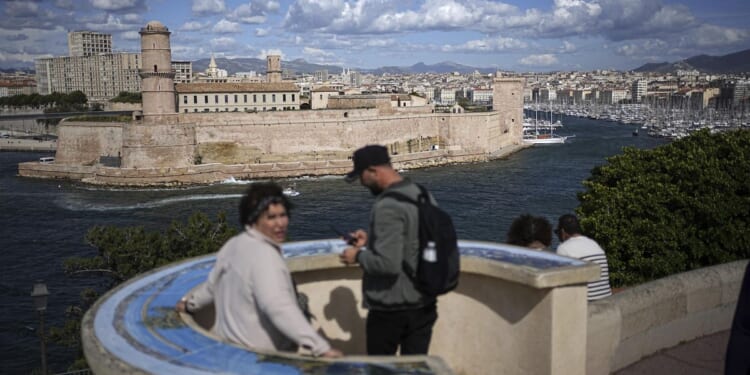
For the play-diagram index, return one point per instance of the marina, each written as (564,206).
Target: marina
(656,121)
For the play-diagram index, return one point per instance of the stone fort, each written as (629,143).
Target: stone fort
(161,146)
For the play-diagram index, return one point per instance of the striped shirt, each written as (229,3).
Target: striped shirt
(588,250)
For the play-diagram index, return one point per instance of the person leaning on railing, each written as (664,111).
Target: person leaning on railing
(250,285)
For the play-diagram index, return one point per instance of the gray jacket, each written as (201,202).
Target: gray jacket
(393,239)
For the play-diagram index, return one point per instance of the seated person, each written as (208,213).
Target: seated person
(576,245)
(251,287)
(530,231)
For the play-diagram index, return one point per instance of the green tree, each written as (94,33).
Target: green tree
(122,253)
(675,208)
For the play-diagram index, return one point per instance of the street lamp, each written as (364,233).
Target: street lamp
(39,294)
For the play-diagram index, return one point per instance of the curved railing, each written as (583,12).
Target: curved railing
(515,311)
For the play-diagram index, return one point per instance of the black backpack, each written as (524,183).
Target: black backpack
(439,261)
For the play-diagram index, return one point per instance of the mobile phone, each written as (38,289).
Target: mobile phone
(346,236)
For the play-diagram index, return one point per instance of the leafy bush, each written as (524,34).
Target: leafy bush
(675,208)
(122,253)
(127,97)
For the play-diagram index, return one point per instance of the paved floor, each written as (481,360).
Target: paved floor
(703,356)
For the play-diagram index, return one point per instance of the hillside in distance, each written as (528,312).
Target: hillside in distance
(233,66)
(737,62)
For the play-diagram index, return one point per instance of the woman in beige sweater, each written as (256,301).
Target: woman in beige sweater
(250,285)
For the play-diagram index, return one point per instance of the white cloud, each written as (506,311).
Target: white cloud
(641,48)
(131,35)
(260,32)
(193,26)
(264,53)
(567,47)
(539,60)
(112,24)
(222,43)
(132,17)
(21,8)
(115,5)
(208,6)
(714,36)
(315,52)
(227,27)
(498,44)
(254,12)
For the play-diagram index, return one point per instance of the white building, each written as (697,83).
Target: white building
(639,90)
(481,96)
(237,97)
(319,96)
(183,71)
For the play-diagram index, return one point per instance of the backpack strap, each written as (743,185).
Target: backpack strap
(421,198)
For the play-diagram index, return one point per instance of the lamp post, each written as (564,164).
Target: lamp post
(39,294)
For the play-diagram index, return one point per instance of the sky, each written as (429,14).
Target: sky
(515,35)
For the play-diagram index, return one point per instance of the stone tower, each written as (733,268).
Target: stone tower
(507,100)
(157,77)
(160,140)
(273,68)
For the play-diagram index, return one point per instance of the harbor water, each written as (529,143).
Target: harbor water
(43,222)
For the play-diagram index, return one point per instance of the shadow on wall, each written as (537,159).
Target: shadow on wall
(342,309)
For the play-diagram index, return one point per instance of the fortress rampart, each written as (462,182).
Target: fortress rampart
(162,146)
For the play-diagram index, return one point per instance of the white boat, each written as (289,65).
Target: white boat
(290,191)
(546,138)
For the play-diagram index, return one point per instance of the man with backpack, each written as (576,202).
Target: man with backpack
(401,313)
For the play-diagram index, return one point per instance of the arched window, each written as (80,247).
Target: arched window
(155,70)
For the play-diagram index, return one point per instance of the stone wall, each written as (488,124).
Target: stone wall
(644,319)
(159,145)
(82,143)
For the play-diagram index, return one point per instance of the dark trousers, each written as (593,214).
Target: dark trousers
(737,361)
(409,329)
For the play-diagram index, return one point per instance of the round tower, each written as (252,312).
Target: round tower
(157,77)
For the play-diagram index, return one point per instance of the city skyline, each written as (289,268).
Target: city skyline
(513,35)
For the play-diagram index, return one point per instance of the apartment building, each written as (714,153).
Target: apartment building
(183,71)
(100,77)
(480,96)
(638,90)
(88,43)
(237,97)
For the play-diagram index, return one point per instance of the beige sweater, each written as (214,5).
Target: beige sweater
(255,302)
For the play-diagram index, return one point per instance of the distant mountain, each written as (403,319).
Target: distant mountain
(738,62)
(442,67)
(233,66)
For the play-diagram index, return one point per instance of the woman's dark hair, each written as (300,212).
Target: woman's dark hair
(258,197)
(526,229)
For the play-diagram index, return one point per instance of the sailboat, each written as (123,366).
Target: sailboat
(543,133)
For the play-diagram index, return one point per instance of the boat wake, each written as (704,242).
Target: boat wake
(74,205)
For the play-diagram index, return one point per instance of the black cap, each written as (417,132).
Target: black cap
(367,157)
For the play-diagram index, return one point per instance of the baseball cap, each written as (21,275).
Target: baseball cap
(367,157)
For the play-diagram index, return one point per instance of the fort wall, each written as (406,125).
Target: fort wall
(83,143)
(175,148)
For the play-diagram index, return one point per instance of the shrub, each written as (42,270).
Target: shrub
(678,207)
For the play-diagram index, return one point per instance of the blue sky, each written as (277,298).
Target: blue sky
(514,35)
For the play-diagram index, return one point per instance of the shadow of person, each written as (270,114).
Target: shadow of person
(342,308)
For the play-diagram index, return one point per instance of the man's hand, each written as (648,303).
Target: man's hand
(349,255)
